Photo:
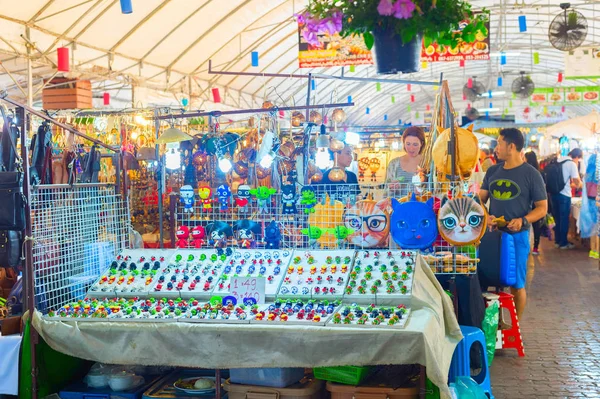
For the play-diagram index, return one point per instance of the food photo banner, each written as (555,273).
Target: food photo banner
(583,63)
(478,50)
(333,50)
(552,114)
(565,95)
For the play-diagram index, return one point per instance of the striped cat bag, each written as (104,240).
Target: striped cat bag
(462,220)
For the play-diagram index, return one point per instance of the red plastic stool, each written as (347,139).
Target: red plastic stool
(511,338)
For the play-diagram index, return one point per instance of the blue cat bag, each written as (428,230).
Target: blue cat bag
(508,262)
(497,266)
(413,223)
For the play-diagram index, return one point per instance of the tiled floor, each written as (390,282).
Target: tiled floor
(561,331)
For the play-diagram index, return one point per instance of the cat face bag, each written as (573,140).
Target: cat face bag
(462,220)
(413,223)
(370,222)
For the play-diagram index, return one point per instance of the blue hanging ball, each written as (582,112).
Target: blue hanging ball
(185,102)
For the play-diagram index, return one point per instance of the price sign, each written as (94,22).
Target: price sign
(248,287)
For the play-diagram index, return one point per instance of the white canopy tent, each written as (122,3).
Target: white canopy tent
(165,45)
(581,127)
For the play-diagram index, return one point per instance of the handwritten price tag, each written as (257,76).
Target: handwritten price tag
(248,287)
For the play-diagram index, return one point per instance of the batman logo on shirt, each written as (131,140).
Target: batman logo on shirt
(504,190)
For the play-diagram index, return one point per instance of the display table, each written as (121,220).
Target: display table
(9,364)
(429,339)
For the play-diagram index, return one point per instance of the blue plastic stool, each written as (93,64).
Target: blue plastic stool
(461,361)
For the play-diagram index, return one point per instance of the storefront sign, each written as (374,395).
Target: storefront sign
(565,95)
(479,50)
(333,50)
(582,63)
(547,115)
(421,117)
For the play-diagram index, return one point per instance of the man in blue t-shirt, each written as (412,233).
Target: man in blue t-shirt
(512,187)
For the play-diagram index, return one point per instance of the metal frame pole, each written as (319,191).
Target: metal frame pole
(160,187)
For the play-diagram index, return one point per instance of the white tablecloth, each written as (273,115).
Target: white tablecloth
(429,339)
(9,364)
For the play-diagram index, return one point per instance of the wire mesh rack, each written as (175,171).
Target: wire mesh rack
(339,216)
(77,230)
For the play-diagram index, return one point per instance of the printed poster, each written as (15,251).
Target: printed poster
(421,117)
(575,95)
(479,50)
(333,50)
(547,115)
(582,63)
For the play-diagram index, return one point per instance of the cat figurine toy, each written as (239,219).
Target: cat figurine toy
(413,223)
(462,220)
(370,222)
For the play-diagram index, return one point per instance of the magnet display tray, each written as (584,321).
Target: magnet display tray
(250,263)
(327,270)
(278,308)
(383,275)
(368,323)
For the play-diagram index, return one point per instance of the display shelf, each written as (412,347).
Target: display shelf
(381,274)
(370,316)
(131,273)
(190,273)
(298,312)
(270,264)
(317,274)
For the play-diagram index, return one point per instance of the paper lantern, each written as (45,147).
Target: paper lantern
(503,59)
(412,98)
(352,68)
(367,111)
(325,119)
(536,58)
(349,99)
(489,94)
(126,7)
(522,23)
(216,95)
(560,77)
(62,54)
(470,83)
(255,58)
(499,81)
(427,107)
(464,97)
(562,109)
(393,100)
(424,64)
(378,86)
(106,98)
(469,106)
(185,102)
(461,63)
(385,117)
(313,84)
(408,87)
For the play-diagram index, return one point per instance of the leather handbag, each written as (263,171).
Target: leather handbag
(12,199)
(10,248)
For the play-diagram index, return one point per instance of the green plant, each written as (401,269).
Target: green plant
(437,20)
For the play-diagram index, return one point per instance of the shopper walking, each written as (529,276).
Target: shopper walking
(485,159)
(561,176)
(531,159)
(512,187)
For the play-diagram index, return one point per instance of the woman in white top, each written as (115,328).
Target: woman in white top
(401,170)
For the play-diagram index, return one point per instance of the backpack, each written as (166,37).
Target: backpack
(555,179)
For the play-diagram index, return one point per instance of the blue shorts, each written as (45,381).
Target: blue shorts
(522,249)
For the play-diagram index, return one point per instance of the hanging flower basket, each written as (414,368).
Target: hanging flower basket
(393,56)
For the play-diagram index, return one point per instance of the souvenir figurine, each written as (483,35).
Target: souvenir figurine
(370,221)
(198,236)
(308,198)
(218,233)
(413,223)
(288,199)
(263,194)
(186,195)
(246,232)
(223,192)
(462,220)
(182,234)
(313,233)
(341,233)
(243,198)
(205,194)
(272,236)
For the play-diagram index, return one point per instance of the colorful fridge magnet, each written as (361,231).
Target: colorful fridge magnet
(182,234)
(263,195)
(205,194)
(242,201)
(462,220)
(186,196)
(272,236)
(198,237)
(308,199)
(413,224)
(288,199)
(223,193)
(370,222)
(218,233)
(246,232)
